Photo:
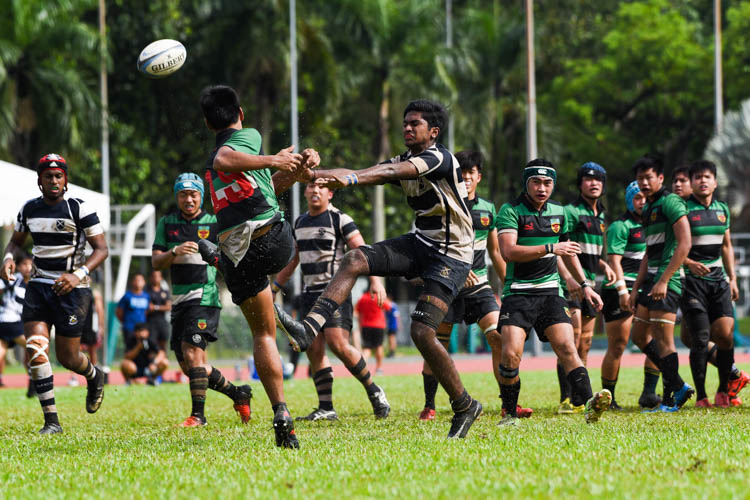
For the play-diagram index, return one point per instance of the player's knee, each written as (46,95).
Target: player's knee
(510,358)
(36,350)
(495,340)
(616,347)
(127,367)
(354,261)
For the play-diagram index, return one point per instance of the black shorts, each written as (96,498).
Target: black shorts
(408,257)
(372,338)
(195,325)
(11,331)
(611,310)
(711,297)
(66,312)
(534,311)
(587,310)
(668,304)
(267,254)
(89,337)
(158,328)
(471,305)
(342,318)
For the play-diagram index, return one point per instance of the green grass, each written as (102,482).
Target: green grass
(131,449)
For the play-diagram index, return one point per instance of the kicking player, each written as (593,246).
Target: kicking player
(658,287)
(709,288)
(255,240)
(195,305)
(439,251)
(12,294)
(626,247)
(585,219)
(530,229)
(58,293)
(322,234)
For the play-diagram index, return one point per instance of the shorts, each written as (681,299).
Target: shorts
(667,304)
(267,254)
(159,329)
(471,305)
(195,325)
(587,310)
(711,297)
(408,257)
(611,310)
(342,318)
(534,311)
(66,312)
(140,370)
(11,331)
(89,337)
(372,338)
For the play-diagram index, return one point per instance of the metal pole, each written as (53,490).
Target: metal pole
(449,45)
(718,79)
(294,119)
(105,158)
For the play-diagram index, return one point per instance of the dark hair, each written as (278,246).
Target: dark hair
(137,273)
(646,162)
(220,105)
(539,162)
(699,166)
(682,169)
(467,159)
(23,256)
(140,326)
(432,112)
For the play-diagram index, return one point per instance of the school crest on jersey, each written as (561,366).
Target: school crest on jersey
(485,220)
(653,216)
(721,216)
(601,226)
(554,224)
(60,225)
(203,232)
(202,324)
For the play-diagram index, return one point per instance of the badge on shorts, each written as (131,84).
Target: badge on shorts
(445,272)
(197,339)
(202,324)
(203,232)
(567,311)
(72,320)
(554,224)
(485,220)
(721,216)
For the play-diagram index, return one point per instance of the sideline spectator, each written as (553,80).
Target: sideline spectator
(143,356)
(161,303)
(12,294)
(131,310)
(372,325)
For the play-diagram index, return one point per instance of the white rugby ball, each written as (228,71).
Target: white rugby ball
(162,58)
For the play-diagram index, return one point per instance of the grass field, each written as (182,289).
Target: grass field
(131,449)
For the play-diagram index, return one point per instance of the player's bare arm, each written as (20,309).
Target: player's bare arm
(615,262)
(573,286)
(511,251)
(639,280)
(378,174)
(14,246)
(681,229)
(609,275)
(283,276)
(162,260)
(727,258)
(229,160)
(376,285)
(69,281)
(493,249)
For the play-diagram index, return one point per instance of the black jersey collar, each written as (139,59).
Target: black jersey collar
(524,198)
(190,221)
(224,135)
(699,202)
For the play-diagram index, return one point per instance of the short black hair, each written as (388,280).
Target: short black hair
(699,166)
(140,326)
(432,112)
(468,158)
(220,105)
(682,169)
(648,161)
(539,162)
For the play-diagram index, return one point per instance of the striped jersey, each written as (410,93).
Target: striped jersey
(483,216)
(533,227)
(193,280)
(11,300)
(59,235)
(626,237)
(659,215)
(321,243)
(707,227)
(437,197)
(587,229)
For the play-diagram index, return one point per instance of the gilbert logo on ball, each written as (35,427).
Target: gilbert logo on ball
(162,58)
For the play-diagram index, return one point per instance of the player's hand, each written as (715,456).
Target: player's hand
(310,158)
(286,160)
(186,248)
(65,284)
(471,280)
(632,300)
(331,181)
(593,298)
(304,175)
(564,248)
(734,289)
(625,302)
(659,291)
(574,289)
(609,275)
(697,268)
(9,269)
(377,291)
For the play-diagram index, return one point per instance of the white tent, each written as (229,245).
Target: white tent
(18,185)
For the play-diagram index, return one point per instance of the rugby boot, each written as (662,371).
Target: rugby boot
(319,414)
(461,422)
(210,253)
(299,338)
(521,412)
(683,395)
(242,403)
(193,421)
(427,414)
(283,428)
(736,385)
(565,407)
(735,401)
(50,429)
(661,408)
(509,421)
(649,400)
(380,406)
(615,407)
(95,391)
(721,400)
(598,404)
(703,403)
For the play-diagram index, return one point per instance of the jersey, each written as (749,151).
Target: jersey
(483,218)
(533,227)
(192,279)
(134,307)
(587,229)
(659,216)
(59,235)
(371,315)
(321,243)
(437,197)
(626,237)
(11,300)
(707,227)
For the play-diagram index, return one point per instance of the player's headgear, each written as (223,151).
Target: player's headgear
(630,193)
(541,168)
(52,160)
(591,169)
(189,181)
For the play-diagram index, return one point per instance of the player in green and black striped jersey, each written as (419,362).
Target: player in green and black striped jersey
(710,287)
(195,303)
(530,229)
(658,286)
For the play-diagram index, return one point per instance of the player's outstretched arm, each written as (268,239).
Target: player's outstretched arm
(284,180)
(14,247)
(378,174)
(229,160)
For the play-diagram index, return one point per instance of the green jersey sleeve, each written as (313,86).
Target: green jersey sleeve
(507,219)
(725,208)
(160,238)
(617,238)
(571,219)
(246,140)
(674,208)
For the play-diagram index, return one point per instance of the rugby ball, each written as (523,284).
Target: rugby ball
(162,58)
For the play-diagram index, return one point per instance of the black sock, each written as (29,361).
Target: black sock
(324,386)
(509,394)
(462,403)
(650,380)
(217,382)
(562,380)
(278,407)
(198,386)
(671,379)
(430,389)
(736,373)
(362,374)
(610,386)
(698,362)
(652,353)
(319,314)
(580,386)
(724,361)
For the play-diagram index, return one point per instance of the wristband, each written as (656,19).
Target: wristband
(275,286)
(623,291)
(549,248)
(80,273)
(8,256)
(351,179)
(619,283)
(173,252)
(584,284)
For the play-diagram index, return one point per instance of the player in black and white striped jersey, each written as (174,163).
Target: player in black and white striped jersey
(322,235)
(12,295)
(58,293)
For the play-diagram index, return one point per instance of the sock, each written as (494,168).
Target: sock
(324,386)
(650,379)
(652,352)
(198,386)
(724,361)
(319,315)
(217,382)
(580,386)
(509,394)
(462,403)
(698,362)
(89,371)
(736,373)
(430,389)
(45,391)
(281,406)
(670,366)
(362,374)
(610,386)
(562,379)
